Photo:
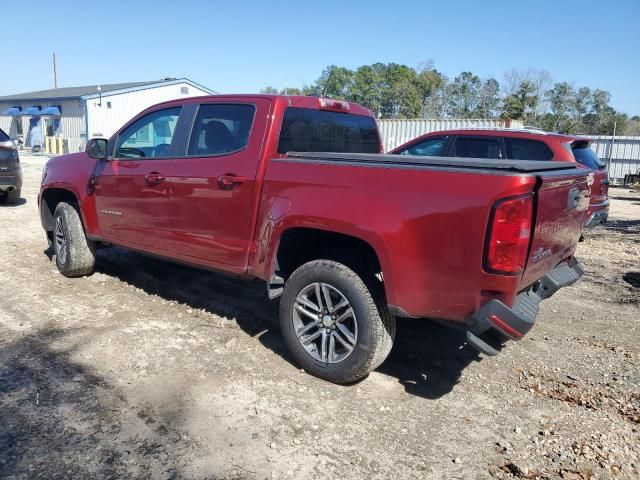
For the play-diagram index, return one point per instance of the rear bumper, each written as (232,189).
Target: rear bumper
(11,180)
(599,214)
(514,323)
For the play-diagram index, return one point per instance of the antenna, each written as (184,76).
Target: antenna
(324,87)
(55,75)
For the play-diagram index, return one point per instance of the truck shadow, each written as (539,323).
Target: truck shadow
(427,359)
(623,226)
(60,419)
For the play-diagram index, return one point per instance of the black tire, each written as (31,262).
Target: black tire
(75,253)
(12,196)
(376,327)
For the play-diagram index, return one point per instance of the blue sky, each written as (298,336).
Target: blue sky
(244,46)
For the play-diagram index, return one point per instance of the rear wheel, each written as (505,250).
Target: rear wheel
(332,324)
(75,253)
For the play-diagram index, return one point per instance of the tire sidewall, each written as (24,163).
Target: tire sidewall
(60,213)
(364,349)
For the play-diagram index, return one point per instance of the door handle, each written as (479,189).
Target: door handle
(230,180)
(154,178)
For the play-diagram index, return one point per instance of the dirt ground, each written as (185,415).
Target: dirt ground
(151,370)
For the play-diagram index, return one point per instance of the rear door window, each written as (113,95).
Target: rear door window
(308,130)
(431,147)
(583,154)
(477,147)
(221,129)
(526,149)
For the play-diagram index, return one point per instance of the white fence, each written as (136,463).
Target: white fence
(620,154)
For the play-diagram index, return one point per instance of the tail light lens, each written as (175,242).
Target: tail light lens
(508,235)
(335,105)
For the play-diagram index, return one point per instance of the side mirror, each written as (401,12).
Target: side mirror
(97,148)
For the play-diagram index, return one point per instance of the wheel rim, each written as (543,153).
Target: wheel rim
(325,323)
(60,242)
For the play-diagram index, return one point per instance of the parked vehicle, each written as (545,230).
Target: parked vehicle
(528,144)
(348,238)
(10,170)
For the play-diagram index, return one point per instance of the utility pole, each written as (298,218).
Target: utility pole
(55,75)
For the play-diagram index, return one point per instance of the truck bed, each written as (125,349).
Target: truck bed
(386,160)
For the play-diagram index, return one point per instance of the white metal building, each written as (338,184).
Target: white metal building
(79,113)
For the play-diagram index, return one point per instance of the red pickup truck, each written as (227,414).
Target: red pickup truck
(294,191)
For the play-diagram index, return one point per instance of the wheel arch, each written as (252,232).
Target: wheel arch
(49,200)
(298,245)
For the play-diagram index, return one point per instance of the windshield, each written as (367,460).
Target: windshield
(587,157)
(3,136)
(307,130)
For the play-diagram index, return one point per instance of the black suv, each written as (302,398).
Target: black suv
(10,170)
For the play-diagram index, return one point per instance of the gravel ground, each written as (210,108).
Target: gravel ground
(151,370)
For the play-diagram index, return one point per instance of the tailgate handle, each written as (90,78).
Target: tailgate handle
(574,199)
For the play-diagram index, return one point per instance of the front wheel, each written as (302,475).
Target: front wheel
(75,253)
(332,324)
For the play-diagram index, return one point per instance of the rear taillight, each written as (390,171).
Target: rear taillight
(508,235)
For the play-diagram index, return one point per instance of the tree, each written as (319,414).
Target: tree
(334,82)
(463,98)
(633,126)
(428,83)
(489,101)
(515,105)
(540,81)
(398,91)
(561,101)
(366,88)
(400,96)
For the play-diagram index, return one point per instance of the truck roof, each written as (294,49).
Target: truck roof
(296,101)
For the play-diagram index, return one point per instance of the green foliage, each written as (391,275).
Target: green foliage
(398,91)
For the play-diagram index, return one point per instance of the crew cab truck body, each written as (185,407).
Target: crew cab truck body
(347,237)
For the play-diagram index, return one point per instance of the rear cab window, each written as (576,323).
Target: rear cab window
(309,130)
(527,149)
(431,147)
(587,157)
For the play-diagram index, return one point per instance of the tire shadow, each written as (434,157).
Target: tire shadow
(428,358)
(21,201)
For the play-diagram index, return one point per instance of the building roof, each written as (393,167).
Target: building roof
(90,90)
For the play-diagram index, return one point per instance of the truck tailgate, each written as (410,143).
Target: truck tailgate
(561,208)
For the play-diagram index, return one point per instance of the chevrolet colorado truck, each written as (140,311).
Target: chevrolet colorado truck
(293,190)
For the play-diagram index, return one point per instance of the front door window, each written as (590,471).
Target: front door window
(150,136)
